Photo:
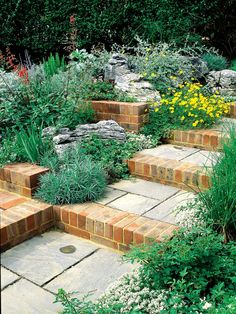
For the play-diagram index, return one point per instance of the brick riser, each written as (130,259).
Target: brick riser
(110,227)
(203,139)
(22,218)
(232,113)
(185,176)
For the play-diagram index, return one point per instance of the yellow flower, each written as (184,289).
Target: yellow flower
(181,72)
(182,118)
(195,123)
(156,109)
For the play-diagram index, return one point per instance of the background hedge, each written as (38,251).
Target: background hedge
(44,25)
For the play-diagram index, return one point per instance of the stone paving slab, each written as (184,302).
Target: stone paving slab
(170,151)
(203,158)
(134,203)
(166,211)
(23,297)
(110,195)
(40,259)
(94,274)
(7,277)
(146,188)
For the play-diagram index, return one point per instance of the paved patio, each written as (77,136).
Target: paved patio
(33,271)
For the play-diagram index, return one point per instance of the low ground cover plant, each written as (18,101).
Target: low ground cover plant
(215,62)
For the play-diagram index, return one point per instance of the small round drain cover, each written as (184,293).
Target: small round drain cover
(68,249)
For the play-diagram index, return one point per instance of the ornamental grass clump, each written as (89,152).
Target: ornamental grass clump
(72,180)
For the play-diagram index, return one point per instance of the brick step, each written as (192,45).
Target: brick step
(21,178)
(232,113)
(131,116)
(208,139)
(22,218)
(182,167)
(110,227)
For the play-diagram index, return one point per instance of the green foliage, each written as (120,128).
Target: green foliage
(30,145)
(111,154)
(217,205)
(105,91)
(45,25)
(193,265)
(73,305)
(74,179)
(163,65)
(46,100)
(53,64)
(233,65)
(215,62)
(8,151)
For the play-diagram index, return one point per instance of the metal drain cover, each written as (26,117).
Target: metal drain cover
(68,249)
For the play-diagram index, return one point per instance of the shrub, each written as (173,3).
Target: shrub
(53,65)
(112,155)
(73,180)
(215,62)
(162,64)
(194,267)
(46,100)
(105,91)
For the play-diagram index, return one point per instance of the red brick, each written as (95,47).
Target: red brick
(103,241)
(65,215)
(111,222)
(155,232)
(77,232)
(139,233)
(129,229)
(167,234)
(3,236)
(119,226)
(30,222)
(14,202)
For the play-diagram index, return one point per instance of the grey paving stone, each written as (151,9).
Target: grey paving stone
(134,203)
(166,211)
(23,297)
(7,277)
(170,151)
(146,188)
(110,196)
(39,259)
(203,158)
(93,274)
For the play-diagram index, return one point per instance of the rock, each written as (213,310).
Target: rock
(49,131)
(223,81)
(66,139)
(118,71)
(200,69)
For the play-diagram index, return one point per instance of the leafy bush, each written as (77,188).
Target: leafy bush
(73,305)
(194,267)
(215,62)
(163,65)
(105,91)
(112,155)
(46,100)
(74,179)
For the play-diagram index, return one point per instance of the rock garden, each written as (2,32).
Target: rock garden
(118,177)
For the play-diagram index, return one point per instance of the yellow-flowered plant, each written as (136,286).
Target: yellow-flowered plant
(188,106)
